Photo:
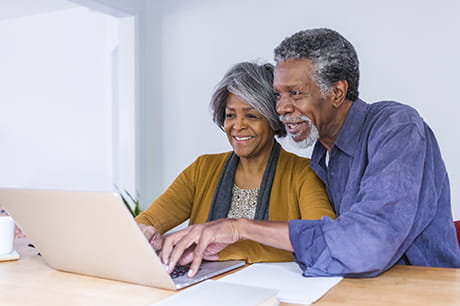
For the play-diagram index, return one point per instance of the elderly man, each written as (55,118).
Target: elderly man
(380,163)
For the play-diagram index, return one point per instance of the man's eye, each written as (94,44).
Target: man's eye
(229,115)
(277,95)
(295,93)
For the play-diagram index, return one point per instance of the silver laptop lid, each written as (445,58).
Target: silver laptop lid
(93,233)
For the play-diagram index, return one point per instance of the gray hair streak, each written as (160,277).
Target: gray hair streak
(253,84)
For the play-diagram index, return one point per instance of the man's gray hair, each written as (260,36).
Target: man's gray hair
(333,56)
(253,84)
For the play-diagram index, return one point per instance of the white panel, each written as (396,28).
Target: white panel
(55,104)
(124,110)
(21,8)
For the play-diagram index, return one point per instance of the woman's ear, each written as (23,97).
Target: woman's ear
(339,93)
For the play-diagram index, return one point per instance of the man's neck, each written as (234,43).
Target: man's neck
(330,136)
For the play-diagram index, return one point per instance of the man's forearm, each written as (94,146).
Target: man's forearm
(271,233)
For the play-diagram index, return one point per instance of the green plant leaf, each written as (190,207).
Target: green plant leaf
(132,207)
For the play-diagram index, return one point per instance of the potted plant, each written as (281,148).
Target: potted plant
(131,202)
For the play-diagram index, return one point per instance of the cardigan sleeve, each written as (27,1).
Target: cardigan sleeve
(252,252)
(312,197)
(174,206)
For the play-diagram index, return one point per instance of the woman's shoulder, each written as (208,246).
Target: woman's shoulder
(295,167)
(293,159)
(214,156)
(212,160)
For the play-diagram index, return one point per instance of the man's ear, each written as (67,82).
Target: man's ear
(339,93)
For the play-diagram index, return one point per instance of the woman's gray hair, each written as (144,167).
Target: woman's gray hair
(333,56)
(253,84)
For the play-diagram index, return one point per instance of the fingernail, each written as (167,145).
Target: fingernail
(190,273)
(166,267)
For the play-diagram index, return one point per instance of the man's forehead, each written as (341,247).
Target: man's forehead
(292,72)
(293,65)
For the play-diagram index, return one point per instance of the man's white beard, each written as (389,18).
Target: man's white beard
(309,140)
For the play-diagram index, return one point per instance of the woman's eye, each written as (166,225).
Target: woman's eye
(229,115)
(252,116)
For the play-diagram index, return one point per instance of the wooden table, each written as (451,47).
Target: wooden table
(29,281)
(401,285)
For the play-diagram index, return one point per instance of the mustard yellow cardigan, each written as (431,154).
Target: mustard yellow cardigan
(297,193)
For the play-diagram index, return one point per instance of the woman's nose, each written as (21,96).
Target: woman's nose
(239,123)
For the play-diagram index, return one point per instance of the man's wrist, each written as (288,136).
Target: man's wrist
(241,225)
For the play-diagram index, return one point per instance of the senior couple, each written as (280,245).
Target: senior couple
(375,192)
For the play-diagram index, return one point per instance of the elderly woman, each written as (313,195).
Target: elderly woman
(257,180)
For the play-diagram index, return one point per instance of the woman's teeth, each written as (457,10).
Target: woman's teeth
(242,138)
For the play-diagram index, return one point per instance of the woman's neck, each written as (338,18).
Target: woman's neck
(250,171)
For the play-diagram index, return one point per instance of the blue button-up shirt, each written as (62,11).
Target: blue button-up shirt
(389,187)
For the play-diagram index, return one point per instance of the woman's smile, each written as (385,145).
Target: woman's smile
(242,139)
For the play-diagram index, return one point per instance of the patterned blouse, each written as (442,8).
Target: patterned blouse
(244,203)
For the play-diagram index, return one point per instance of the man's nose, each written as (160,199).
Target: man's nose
(284,106)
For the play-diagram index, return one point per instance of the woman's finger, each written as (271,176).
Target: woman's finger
(181,246)
(169,242)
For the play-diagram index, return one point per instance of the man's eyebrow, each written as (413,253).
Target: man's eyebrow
(288,87)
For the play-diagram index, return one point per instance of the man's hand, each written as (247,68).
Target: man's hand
(152,235)
(198,242)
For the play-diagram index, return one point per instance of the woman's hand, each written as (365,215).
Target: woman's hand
(198,242)
(19,234)
(152,235)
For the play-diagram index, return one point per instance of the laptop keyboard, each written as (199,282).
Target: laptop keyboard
(180,270)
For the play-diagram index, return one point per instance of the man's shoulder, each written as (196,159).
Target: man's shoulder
(394,113)
(392,118)
(392,107)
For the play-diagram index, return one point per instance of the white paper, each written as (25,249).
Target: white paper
(287,278)
(211,293)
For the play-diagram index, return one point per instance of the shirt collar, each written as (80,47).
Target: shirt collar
(348,137)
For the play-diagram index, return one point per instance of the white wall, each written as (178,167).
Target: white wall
(408,52)
(55,100)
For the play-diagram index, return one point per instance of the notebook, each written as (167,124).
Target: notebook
(93,233)
(211,293)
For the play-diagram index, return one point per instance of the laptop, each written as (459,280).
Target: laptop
(93,233)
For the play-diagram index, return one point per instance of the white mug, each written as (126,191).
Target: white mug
(7,232)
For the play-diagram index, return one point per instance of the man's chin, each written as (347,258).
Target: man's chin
(305,138)
(297,138)
(299,141)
